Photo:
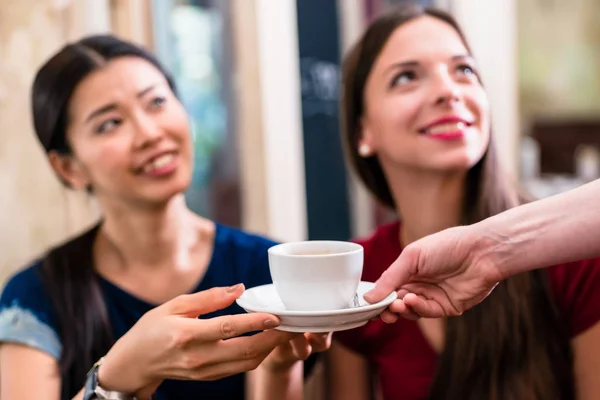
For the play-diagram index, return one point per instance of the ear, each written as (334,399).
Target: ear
(365,143)
(69,170)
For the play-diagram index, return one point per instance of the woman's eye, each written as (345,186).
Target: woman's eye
(108,125)
(403,78)
(157,102)
(467,70)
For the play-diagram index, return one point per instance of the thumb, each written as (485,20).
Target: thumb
(204,302)
(398,274)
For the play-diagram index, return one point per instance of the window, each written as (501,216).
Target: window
(192,39)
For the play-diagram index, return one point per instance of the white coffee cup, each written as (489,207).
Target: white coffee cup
(316,275)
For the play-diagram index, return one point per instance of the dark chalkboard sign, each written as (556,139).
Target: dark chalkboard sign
(327,193)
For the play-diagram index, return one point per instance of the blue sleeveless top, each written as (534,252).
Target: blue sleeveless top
(27,316)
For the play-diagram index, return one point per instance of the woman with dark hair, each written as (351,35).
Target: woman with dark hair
(417,129)
(122,299)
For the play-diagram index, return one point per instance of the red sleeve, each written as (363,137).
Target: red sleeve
(576,289)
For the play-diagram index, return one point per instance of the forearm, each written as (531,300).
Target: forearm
(276,385)
(558,229)
(79,396)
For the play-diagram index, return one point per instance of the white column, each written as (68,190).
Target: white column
(491,28)
(248,116)
(352,25)
(281,119)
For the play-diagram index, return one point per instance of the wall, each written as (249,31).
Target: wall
(559,58)
(559,88)
(490,27)
(35,210)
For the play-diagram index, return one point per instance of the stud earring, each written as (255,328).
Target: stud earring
(364,150)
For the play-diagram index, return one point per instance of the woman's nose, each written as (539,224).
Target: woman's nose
(147,131)
(445,87)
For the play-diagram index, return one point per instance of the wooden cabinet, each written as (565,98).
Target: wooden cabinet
(559,139)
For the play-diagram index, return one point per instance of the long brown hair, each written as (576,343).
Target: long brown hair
(68,271)
(513,345)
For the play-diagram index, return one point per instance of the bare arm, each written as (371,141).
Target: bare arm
(447,273)
(586,348)
(558,229)
(28,365)
(349,376)
(21,366)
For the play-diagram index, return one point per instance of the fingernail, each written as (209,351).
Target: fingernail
(271,323)
(234,288)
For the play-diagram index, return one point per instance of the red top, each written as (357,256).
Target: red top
(404,359)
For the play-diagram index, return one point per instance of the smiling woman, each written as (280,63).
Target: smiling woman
(126,104)
(417,131)
(123,299)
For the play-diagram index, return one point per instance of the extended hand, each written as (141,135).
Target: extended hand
(439,275)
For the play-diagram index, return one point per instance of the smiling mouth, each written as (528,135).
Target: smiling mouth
(447,127)
(158,162)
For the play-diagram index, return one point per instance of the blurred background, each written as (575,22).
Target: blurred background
(260,81)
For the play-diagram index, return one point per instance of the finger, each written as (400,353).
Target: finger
(400,308)
(426,307)
(398,274)
(301,347)
(229,326)
(284,350)
(255,346)
(223,370)
(204,302)
(401,293)
(388,317)
(319,341)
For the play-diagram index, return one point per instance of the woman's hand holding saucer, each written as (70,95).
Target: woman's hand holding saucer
(170,342)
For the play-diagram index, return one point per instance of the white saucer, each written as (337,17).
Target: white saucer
(265,299)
